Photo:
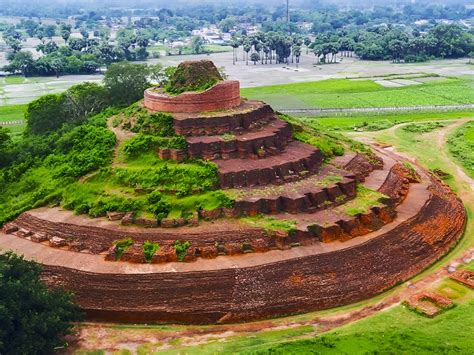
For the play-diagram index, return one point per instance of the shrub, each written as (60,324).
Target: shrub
(142,143)
(121,246)
(45,114)
(182,178)
(181,249)
(149,249)
(158,205)
(34,318)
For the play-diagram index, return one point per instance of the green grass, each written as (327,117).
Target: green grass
(365,199)
(367,122)
(270,223)
(344,93)
(461,146)
(396,331)
(12,112)
(235,345)
(13,80)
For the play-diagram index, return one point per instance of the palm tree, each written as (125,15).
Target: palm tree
(297,53)
(234,44)
(247,48)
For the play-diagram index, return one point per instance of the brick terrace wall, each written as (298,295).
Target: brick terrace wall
(258,114)
(223,96)
(298,285)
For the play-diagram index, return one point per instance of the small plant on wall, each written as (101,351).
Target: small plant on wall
(181,249)
(149,249)
(121,246)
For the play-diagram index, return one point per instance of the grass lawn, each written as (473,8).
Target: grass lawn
(345,93)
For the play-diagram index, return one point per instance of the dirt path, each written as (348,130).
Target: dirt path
(121,135)
(104,336)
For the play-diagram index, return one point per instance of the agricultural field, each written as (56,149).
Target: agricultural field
(13,113)
(376,122)
(347,93)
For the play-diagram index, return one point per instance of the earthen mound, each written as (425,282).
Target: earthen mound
(193,76)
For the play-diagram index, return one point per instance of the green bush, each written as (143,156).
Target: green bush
(149,249)
(34,318)
(158,205)
(142,143)
(181,249)
(45,114)
(180,178)
(121,246)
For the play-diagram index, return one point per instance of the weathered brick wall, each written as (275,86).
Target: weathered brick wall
(297,285)
(223,96)
(253,114)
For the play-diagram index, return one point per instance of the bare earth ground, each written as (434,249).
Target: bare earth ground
(110,337)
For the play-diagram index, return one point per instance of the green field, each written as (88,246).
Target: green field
(12,112)
(345,93)
(368,122)
(461,146)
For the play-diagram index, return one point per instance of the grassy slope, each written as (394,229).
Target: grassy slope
(395,331)
(461,146)
(344,93)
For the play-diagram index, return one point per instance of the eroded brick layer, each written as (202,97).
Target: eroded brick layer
(302,284)
(222,96)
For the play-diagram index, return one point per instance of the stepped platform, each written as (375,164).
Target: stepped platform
(297,161)
(247,116)
(270,139)
(328,188)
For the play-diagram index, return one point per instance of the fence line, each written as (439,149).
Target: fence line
(11,123)
(376,110)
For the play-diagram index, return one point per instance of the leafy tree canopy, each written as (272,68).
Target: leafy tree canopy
(33,318)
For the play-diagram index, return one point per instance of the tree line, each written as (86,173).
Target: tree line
(84,55)
(377,43)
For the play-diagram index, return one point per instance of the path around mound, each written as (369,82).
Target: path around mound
(131,338)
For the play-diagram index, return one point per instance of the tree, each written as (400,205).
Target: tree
(255,57)
(49,31)
(234,43)
(84,33)
(84,100)
(197,45)
(247,49)
(65,31)
(20,62)
(45,114)
(5,142)
(297,52)
(34,318)
(126,82)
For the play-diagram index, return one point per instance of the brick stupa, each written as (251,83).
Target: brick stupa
(235,270)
